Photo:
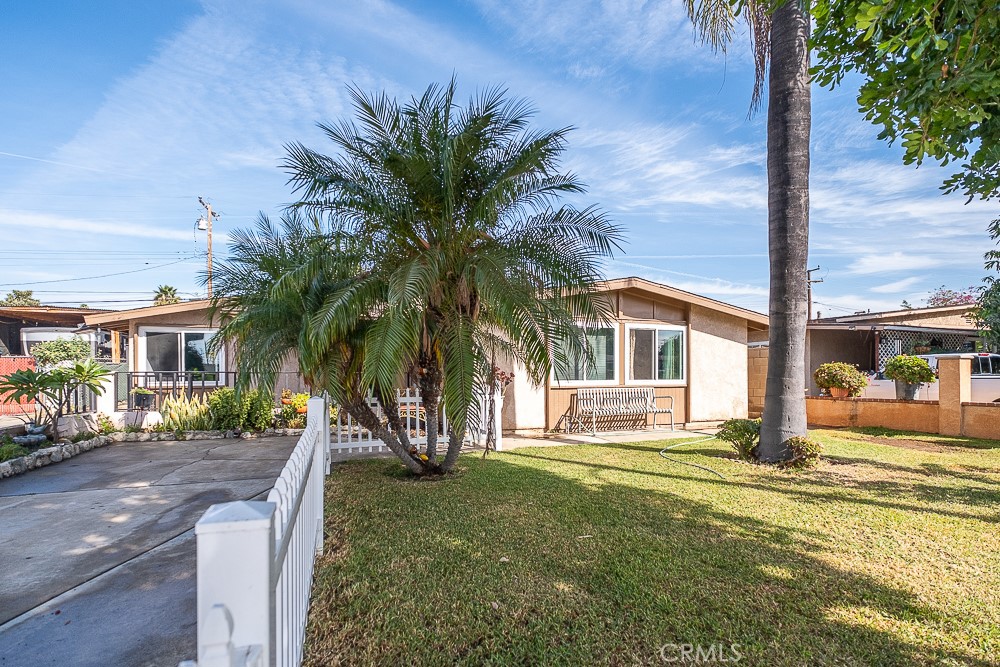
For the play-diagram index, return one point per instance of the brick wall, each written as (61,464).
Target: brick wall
(756,379)
(7,366)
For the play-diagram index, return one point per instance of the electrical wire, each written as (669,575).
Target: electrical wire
(106,275)
(688,463)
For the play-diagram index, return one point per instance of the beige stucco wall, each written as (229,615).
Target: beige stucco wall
(717,375)
(523,402)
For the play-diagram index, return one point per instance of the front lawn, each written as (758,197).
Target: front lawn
(888,553)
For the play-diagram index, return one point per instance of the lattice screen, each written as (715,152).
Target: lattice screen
(894,343)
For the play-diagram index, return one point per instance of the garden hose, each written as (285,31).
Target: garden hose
(688,463)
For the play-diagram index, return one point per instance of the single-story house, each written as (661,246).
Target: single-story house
(869,340)
(679,344)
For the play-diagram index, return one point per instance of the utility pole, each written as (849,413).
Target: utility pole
(809,283)
(209,216)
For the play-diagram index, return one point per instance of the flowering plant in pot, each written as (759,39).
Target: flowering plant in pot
(909,373)
(841,379)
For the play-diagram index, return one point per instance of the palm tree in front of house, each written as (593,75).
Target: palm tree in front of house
(165,295)
(779,35)
(448,249)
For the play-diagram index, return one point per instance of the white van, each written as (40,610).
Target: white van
(32,336)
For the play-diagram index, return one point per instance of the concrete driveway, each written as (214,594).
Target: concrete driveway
(98,553)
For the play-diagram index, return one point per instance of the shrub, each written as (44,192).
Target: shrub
(105,425)
(226,409)
(912,370)
(841,375)
(83,435)
(805,452)
(52,352)
(181,413)
(290,418)
(743,435)
(259,413)
(8,451)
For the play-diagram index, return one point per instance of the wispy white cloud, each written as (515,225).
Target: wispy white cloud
(888,263)
(896,286)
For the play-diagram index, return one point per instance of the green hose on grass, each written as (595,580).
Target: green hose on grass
(688,463)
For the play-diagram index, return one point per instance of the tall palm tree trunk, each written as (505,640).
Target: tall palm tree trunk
(788,127)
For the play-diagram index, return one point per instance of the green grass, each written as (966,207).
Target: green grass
(887,553)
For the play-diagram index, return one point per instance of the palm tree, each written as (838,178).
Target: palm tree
(446,248)
(165,295)
(779,34)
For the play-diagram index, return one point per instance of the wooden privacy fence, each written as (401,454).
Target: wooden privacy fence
(255,562)
(349,437)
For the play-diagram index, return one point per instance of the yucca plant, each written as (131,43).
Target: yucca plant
(435,243)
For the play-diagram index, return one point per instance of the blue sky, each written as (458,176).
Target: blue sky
(118,115)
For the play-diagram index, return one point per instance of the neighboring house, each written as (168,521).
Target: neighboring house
(14,319)
(680,344)
(869,340)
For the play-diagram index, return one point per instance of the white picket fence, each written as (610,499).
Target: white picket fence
(255,562)
(255,558)
(349,437)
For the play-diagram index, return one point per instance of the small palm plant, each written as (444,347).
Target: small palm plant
(437,243)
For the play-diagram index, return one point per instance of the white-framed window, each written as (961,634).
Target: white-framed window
(602,369)
(655,354)
(169,350)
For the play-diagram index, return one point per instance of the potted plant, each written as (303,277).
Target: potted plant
(841,379)
(922,347)
(143,398)
(909,373)
(286,396)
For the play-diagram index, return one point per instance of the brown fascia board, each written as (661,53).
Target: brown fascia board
(122,316)
(633,282)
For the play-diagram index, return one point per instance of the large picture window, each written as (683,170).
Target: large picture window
(598,365)
(164,350)
(655,353)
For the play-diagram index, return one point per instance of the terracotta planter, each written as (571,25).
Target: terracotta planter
(922,349)
(301,411)
(839,392)
(286,401)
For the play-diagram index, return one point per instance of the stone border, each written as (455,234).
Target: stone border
(66,450)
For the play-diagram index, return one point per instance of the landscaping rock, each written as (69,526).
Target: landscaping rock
(6,470)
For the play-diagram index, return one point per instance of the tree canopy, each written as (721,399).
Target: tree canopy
(20,298)
(944,296)
(931,78)
(165,295)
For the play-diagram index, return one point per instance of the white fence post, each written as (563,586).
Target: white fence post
(326,431)
(497,424)
(319,416)
(235,559)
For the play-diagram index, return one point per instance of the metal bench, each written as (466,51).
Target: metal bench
(619,402)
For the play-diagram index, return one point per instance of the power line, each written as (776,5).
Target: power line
(107,275)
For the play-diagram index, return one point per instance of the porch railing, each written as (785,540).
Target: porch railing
(255,562)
